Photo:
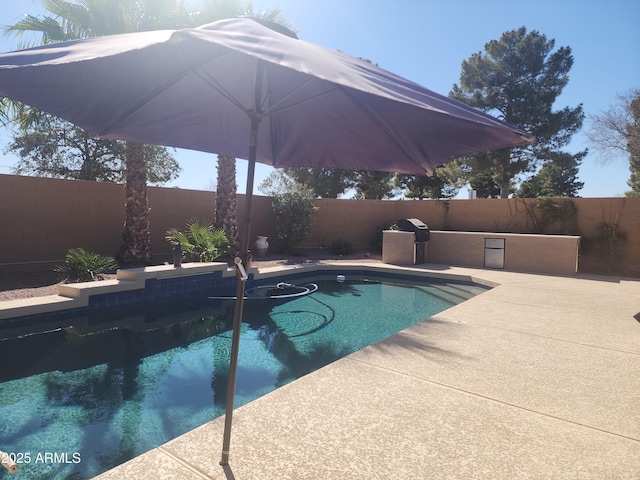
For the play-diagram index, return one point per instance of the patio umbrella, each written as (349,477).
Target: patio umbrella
(239,88)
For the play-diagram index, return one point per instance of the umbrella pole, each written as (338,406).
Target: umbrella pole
(242,261)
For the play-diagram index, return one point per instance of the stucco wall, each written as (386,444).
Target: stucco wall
(548,254)
(42,218)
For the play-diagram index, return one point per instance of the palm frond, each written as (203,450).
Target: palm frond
(200,240)
(83,266)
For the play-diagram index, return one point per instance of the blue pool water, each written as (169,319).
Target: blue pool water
(110,385)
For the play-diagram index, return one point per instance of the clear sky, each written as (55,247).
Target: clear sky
(426,42)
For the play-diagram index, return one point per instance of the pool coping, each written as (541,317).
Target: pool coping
(78,295)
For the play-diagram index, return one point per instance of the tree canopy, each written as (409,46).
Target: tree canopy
(518,78)
(324,182)
(58,149)
(443,183)
(331,183)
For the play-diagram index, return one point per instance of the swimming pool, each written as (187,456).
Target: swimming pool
(114,383)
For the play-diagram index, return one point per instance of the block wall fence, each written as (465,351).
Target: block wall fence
(42,218)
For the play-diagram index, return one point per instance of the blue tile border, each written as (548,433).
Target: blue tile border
(155,288)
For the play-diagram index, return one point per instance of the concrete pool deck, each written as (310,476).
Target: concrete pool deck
(537,378)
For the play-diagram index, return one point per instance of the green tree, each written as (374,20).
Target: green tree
(293,205)
(324,182)
(556,175)
(278,181)
(441,184)
(331,183)
(518,78)
(374,185)
(58,149)
(617,131)
(480,175)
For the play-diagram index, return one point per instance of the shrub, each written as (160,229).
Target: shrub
(552,215)
(200,241)
(606,248)
(293,213)
(83,266)
(341,246)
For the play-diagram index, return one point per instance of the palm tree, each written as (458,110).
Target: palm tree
(226,204)
(89,18)
(226,201)
(135,248)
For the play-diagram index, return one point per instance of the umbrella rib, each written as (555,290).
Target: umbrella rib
(155,93)
(382,127)
(274,108)
(217,86)
(263,112)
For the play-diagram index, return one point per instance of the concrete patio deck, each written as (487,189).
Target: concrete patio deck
(538,378)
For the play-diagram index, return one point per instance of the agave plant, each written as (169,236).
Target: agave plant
(83,266)
(200,241)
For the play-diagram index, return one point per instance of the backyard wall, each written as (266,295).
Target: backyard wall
(610,227)
(42,218)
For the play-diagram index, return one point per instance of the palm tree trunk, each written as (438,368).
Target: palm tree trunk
(226,203)
(136,237)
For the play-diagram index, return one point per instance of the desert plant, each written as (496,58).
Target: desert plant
(293,208)
(83,266)
(200,241)
(341,246)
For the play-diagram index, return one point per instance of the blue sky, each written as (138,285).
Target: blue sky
(426,42)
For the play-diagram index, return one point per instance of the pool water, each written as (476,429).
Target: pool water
(79,400)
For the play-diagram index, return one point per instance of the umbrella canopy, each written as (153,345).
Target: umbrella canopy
(197,88)
(239,88)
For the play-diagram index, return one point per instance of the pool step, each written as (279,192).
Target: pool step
(451,293)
